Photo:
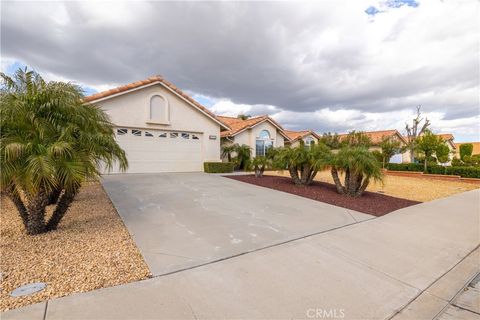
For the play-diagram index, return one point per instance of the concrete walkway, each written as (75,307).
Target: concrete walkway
(410,264)
(181,220)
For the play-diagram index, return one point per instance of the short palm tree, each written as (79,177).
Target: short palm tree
(243,155)
(303,163)
(359,166)
(228,150)
(51,142)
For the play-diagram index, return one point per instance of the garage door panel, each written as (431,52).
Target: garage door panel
(161,153)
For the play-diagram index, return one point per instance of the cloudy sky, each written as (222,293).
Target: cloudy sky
(324,65)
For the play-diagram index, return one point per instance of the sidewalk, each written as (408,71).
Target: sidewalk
(410,264)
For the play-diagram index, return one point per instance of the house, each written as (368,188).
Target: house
(308,136)
(448,139)
(476,148)
(260,133)
(376,138)
(161,128)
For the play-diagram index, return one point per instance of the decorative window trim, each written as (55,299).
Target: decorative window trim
(195,137)
(148,134)
(173,135)
(136,132)
(162,135)
(166,118)
(185,135)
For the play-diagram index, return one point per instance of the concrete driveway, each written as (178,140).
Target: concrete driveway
(181,220)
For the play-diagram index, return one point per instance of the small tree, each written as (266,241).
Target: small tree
(330,140)
(359,166)
(427,145)
(414,131)
(390,147)
(357,139)
(466,149)
(442,153)
(302,163)
(228,150)
(243,155)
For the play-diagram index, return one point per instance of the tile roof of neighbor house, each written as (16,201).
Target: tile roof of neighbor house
(295,135)
(376,136)
(152,80)
(476,146)
(238,125)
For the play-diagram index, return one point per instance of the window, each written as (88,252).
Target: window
(163,135)
(122,131)
(158,109)
(148,134)
(185,135)
(308,141)
(263,143)
(136,132)
(194,137)
(174,135)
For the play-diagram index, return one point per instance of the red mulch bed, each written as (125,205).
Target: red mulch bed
(372,203)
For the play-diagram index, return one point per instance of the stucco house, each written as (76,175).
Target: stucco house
(259,133)
(376,138)
(308,136)
(161,128)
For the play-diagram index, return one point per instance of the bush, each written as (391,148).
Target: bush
(465,172)
(218,167)
(457,162)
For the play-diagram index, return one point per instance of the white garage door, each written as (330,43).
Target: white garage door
(160,151)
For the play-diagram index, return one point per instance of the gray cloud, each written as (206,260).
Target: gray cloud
(296,57)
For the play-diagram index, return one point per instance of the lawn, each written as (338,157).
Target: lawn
(90,250)
(410,188)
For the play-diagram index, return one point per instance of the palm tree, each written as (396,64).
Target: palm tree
(303,163)
(359,166)
(227,151)
(244,153)
(51,142)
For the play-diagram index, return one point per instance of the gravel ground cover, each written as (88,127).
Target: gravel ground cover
(90,250)
(372,203)
(411,188)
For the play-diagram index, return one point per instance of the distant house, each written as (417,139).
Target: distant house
(476,148)
(448,138)
(259,133)
(308,136)
(376,138)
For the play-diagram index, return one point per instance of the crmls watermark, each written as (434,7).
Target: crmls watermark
(319,313)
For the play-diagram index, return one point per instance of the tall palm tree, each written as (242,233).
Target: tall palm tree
(51,142)
(359,166)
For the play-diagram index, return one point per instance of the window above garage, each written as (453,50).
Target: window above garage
(159,110)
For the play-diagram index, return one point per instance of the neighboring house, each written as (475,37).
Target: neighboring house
(376,138)
(476,148)
(161,128)
(308,136)
(448,138)
(259,133)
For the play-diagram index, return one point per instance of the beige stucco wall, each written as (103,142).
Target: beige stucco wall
(133,110)
(249,136)
(297,142)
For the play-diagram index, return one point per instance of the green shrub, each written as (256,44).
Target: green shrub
(218,167)
(466,150)
(457,162)
(465,172)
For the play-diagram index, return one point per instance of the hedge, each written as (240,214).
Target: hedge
(218,167)
(465,172)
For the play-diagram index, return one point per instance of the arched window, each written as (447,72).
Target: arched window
(308,141)
(263,143)
(158,109)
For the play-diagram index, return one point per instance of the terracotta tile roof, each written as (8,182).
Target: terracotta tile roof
(476,147)
(446,136)
(376,136)
(295,135)
(238,125)
(159,79)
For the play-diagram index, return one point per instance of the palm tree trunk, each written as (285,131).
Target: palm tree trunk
(362,187)
(336,179)
(53,196)
(63,204)
(17,201)
(36,212)
(294,175)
